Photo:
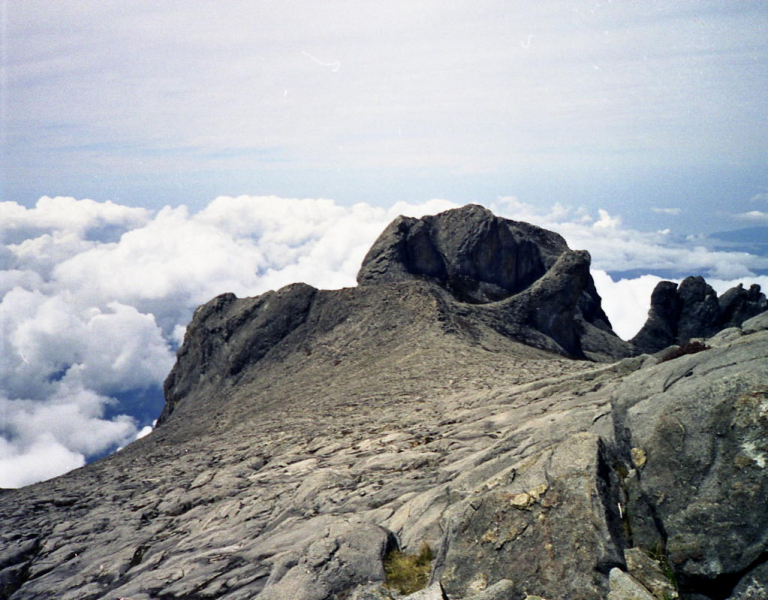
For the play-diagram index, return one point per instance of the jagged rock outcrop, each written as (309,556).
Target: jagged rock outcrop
(227,334)
(693,310)
(475,255)
(538,290)
(738,305)
(309,433)
(543,296)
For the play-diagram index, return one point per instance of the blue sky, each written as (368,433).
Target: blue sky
(626,106)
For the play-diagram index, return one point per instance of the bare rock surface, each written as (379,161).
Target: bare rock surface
(625,587)
(700,421)
(309,433)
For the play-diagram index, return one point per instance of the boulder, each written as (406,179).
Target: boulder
(660,329)
(649,572)
(753,586)
(700,422)
(699,312)
(550,525)
(755,324)
(333,556)
(625,587)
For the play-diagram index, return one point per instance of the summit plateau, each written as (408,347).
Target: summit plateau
(468,401)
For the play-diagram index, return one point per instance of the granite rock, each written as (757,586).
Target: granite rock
(692,310)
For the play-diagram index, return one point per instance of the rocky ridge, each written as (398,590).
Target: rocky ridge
(692,310)
(308,433)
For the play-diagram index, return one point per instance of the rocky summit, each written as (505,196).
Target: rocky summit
(462,425)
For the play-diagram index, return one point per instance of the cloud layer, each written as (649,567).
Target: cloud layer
(96,297)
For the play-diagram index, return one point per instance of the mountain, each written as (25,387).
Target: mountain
(467,404)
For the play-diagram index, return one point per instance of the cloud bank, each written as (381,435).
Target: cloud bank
(96,297)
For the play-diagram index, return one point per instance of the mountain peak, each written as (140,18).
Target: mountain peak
(469,251)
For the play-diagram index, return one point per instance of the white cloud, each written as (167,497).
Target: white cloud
(667,211)
(420,85)
(755,216)
(606,221)
(42,460)
(146,430)
(87,316)
(49,339)
(44,438)
(626,301)
(761,197)
(70,215)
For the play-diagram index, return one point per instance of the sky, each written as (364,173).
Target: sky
(624,105)
(157,154)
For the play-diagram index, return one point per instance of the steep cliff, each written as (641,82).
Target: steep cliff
(445,403)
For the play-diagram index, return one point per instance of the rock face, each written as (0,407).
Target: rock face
(475,255)
(693,310)
(738,305)
(705,448)
(534,282)
(310,433)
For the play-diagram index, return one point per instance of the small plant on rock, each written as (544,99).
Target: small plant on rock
(408,573)
(659,554)
(689,348)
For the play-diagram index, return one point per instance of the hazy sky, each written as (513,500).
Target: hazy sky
(624,105)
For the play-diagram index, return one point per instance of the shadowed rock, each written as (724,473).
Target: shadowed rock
(660,330)
(693,310)
(475,255)
(533,286)
(738,305)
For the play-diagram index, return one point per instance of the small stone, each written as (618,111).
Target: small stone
(649,573)
(522,501)
(639,457)
(539,491)
(625,587)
